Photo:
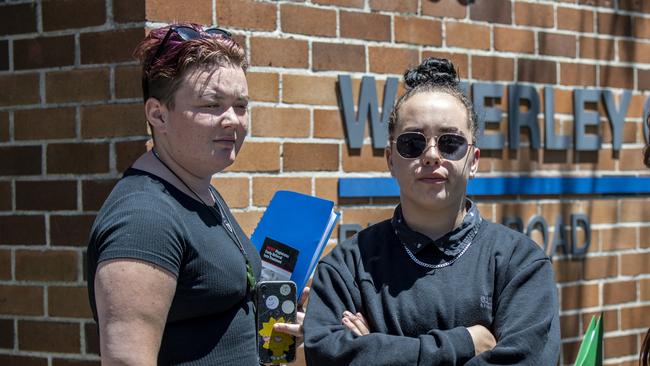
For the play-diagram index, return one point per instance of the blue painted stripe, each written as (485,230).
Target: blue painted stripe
(501,186)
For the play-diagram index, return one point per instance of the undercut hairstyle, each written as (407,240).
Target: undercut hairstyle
(433,75)
(162,76)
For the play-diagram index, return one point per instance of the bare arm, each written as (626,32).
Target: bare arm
(133,298)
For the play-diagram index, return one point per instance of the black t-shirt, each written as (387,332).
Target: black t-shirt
(211,319)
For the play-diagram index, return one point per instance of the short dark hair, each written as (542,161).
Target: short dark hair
(433,74)
(161,77)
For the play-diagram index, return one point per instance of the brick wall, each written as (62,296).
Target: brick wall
(71,121)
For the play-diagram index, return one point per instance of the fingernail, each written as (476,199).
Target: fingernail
(347,313)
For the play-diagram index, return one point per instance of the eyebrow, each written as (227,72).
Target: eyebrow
(217,95)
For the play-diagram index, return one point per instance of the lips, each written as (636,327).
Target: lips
(432,178)
(230,139)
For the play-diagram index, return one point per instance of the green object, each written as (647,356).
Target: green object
(591,348)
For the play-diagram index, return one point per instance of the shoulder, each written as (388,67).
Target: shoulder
(510,245)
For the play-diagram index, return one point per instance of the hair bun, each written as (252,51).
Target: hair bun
(437,71)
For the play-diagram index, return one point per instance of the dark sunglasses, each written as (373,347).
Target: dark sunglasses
(188,33)
(411,145)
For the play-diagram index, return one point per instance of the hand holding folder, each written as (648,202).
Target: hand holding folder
(292,234)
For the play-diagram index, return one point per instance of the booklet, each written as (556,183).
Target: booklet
(291,236)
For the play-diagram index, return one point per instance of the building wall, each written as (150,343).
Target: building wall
(71,121)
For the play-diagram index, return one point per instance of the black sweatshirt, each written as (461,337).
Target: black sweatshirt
(488,275)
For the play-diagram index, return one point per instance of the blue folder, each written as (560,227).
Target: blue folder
(300,222)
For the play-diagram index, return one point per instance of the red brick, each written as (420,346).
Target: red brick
(92,338)
(609,319)
(632,51)
(634,5)
(368,26)
(126,11)
(4,55)
(20,160)
(308,20)
(328,123)
(4,126)
(288,53)
(5,196)
(645,289)
(336,56)
(7,333)
(309,90)
(495,11)
(46,195)
(341,3)
(35,53)
(20,18)
(602,3)
(257,157)
(65,14)
(32,265)
(25,89)
(70,230)
(21,300)
(310,157)
(597,48)
(327,188)
(196,11)
(5,267)
(444,8)
(12,230)
(555,44)
(263,87)
(44,124)
(636,317)
(631,159)
(365,159)
(16,360)
(617,77)
(234,190)
(70,302)
(641,27)
(614,239)
(113,120)
(635,264)
(614,24)
(404,6)
(111,46)
(578,20)
(127,152)
(600,267)
(577,74)
(128,82)
(414,30)
(466,35)
(570,326)
(37,336)
(79,158)
(77,85)
(493,68)
(579,296)
(620,346)
(280,122)
(388,60)
(537,71)
(95,192)
(644,79)
(514,40)
(619,292)
(265,187)
(259,16)
(534,15)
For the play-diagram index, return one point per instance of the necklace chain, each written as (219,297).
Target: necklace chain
(218,213)
(466,243)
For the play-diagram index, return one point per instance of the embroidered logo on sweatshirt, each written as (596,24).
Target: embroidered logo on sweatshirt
(486,302)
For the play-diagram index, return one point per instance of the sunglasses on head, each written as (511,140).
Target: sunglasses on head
(411,145)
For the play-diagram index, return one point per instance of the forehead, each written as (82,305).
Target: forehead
(218,82)
(433,112)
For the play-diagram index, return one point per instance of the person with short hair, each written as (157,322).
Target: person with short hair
(170,271)
(437,284)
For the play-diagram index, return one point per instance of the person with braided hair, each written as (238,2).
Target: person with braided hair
(437,284)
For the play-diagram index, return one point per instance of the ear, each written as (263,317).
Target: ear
(476,154)
(156,113)
(388,153)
